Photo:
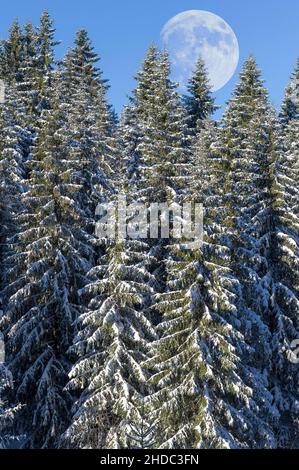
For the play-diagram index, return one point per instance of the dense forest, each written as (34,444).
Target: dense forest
(142,343)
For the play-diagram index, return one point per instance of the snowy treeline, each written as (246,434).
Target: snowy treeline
(143,343)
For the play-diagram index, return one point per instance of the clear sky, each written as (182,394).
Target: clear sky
(122,30)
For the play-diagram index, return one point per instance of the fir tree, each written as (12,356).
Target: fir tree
(90,121)
(285,296)
(117,322)
(199,103)
(41,304)
(207,395)
(137,113)
(111,345)
(94,143)
(11,54)
(290,105)
(8,414)
(248,143)
(12,172)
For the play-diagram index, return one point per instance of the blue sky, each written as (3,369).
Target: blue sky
(122,30)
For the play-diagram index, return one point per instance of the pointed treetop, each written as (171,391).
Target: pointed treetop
(15,29)
(46,25)
(145,78)
(290,105)
(200,104)
(164,62)
(46,42)
(250,77)
(11,51)
(30,38)
(249,94)
(80,64)
(149,61)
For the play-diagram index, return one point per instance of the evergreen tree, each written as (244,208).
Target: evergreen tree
(90,121)
(41,303)
(248,144)
(94,143)
(137,113)
(207,396)
(285,296)
(8,415)
(11,176)
(45,44)
(111,345)
(117,322)
(290,105)
(199,103)
(27,84)
(11,54)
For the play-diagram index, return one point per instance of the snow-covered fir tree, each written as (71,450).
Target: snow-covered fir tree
(16,64)
(285,295)
(208,396)
(199,102)
(44,60)
(90,121)
(11,53)
(111,344)
(248,141)
(290,105)
(136,114)
(26,62)
(41,300)
(8,414)
(12,172)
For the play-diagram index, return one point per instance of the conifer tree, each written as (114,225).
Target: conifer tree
(11,54)
(45,44)
(137,113)
(285,296)
(90,120)
(199,102)
(290,105)
(8,414)
(12,172)
(248,144)
(27,83)
(52,256)
(117,322)
(207,396)
(41,68)
(112,344)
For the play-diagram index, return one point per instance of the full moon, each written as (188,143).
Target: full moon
(197,33)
